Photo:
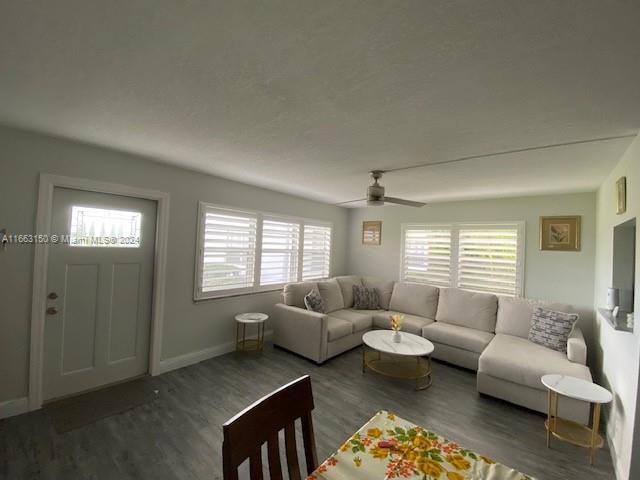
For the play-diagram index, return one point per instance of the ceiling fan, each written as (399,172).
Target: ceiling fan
(376,196)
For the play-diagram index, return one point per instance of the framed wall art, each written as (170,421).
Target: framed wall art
(372,232)
(621,190)
(560,233)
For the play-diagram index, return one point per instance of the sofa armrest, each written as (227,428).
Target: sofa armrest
(302,331)
(576,347)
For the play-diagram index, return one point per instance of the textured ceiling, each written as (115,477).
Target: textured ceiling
(306,97)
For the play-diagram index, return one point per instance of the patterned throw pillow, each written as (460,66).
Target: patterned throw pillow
(313,301)
(551,329)
(365,298)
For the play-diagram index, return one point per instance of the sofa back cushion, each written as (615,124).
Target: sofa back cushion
(346,283)
(331,294)
(468,309)
(414,299)
(514,314)
(294,293)
(383,287)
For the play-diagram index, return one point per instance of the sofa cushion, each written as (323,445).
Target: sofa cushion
(383,287)
(551,329)
(361,319)
(411,323)
(338,328)
(331,294)
(415,299)
(294,293)
(346,283)
(365,298)
(514,314)
(313,301)
(455,336)
(467,309)
(523,362)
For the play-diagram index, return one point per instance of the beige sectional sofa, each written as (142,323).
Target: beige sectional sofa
(478,331)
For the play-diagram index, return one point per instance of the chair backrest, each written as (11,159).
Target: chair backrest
(261,422)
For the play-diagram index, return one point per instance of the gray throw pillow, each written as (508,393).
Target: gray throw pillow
(551,329)
(365,298)
(313,301)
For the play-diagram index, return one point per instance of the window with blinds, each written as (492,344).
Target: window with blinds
(316,256)
(280,247)
(476,257)
(426,256)
(488,259)
(227,250)
(247,251)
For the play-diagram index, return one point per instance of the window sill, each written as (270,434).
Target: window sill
(237,294)
(615,322)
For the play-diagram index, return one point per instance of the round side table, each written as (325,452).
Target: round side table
(250,344)
(566,430)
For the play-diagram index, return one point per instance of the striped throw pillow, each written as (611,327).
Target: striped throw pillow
(365,298)
(551,329)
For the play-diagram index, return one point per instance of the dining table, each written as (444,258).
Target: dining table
(389,447)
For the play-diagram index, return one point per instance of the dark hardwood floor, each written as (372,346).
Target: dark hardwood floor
(178,435)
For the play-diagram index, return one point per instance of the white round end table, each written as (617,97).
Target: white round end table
(250,344)
(409,359)
(566,430)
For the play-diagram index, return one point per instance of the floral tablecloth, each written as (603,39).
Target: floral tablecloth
(388,447)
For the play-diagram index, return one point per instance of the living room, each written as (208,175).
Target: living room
(462,173)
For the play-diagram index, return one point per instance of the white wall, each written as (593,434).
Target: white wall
(618,353)
(561,276)
(189,327)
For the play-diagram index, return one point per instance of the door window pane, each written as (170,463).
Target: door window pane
(99,227)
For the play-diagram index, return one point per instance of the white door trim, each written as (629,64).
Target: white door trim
(40,265)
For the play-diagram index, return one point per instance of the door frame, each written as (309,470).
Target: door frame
(47,184)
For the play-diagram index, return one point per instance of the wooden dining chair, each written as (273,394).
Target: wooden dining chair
(245,433)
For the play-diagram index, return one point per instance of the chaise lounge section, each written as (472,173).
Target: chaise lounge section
(477,331)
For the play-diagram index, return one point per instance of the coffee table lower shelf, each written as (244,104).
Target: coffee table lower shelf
(399,366)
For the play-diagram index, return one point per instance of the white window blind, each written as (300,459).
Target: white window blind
(426,256)
(280,247)
(316,257)
(488,259)
(242,251)
(476,257)
(227,250)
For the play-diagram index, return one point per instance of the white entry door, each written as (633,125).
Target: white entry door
(99,286)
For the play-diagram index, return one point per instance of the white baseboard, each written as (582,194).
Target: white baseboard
(195,357)
(14,407)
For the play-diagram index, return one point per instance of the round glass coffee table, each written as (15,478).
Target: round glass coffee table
(250,344)
(566,430)
(409,359)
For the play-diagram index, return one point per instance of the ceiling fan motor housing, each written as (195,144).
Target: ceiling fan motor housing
(375,195)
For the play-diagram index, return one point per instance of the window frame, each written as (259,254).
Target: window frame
(199,295)
(454,259)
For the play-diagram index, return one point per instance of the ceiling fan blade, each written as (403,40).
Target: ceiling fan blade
(352,201)
(401,201)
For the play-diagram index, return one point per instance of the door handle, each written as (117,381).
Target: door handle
(52,296)
(51,311)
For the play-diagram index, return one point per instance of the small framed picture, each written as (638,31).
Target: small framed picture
(372,233)
(560,233)
(621,185)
